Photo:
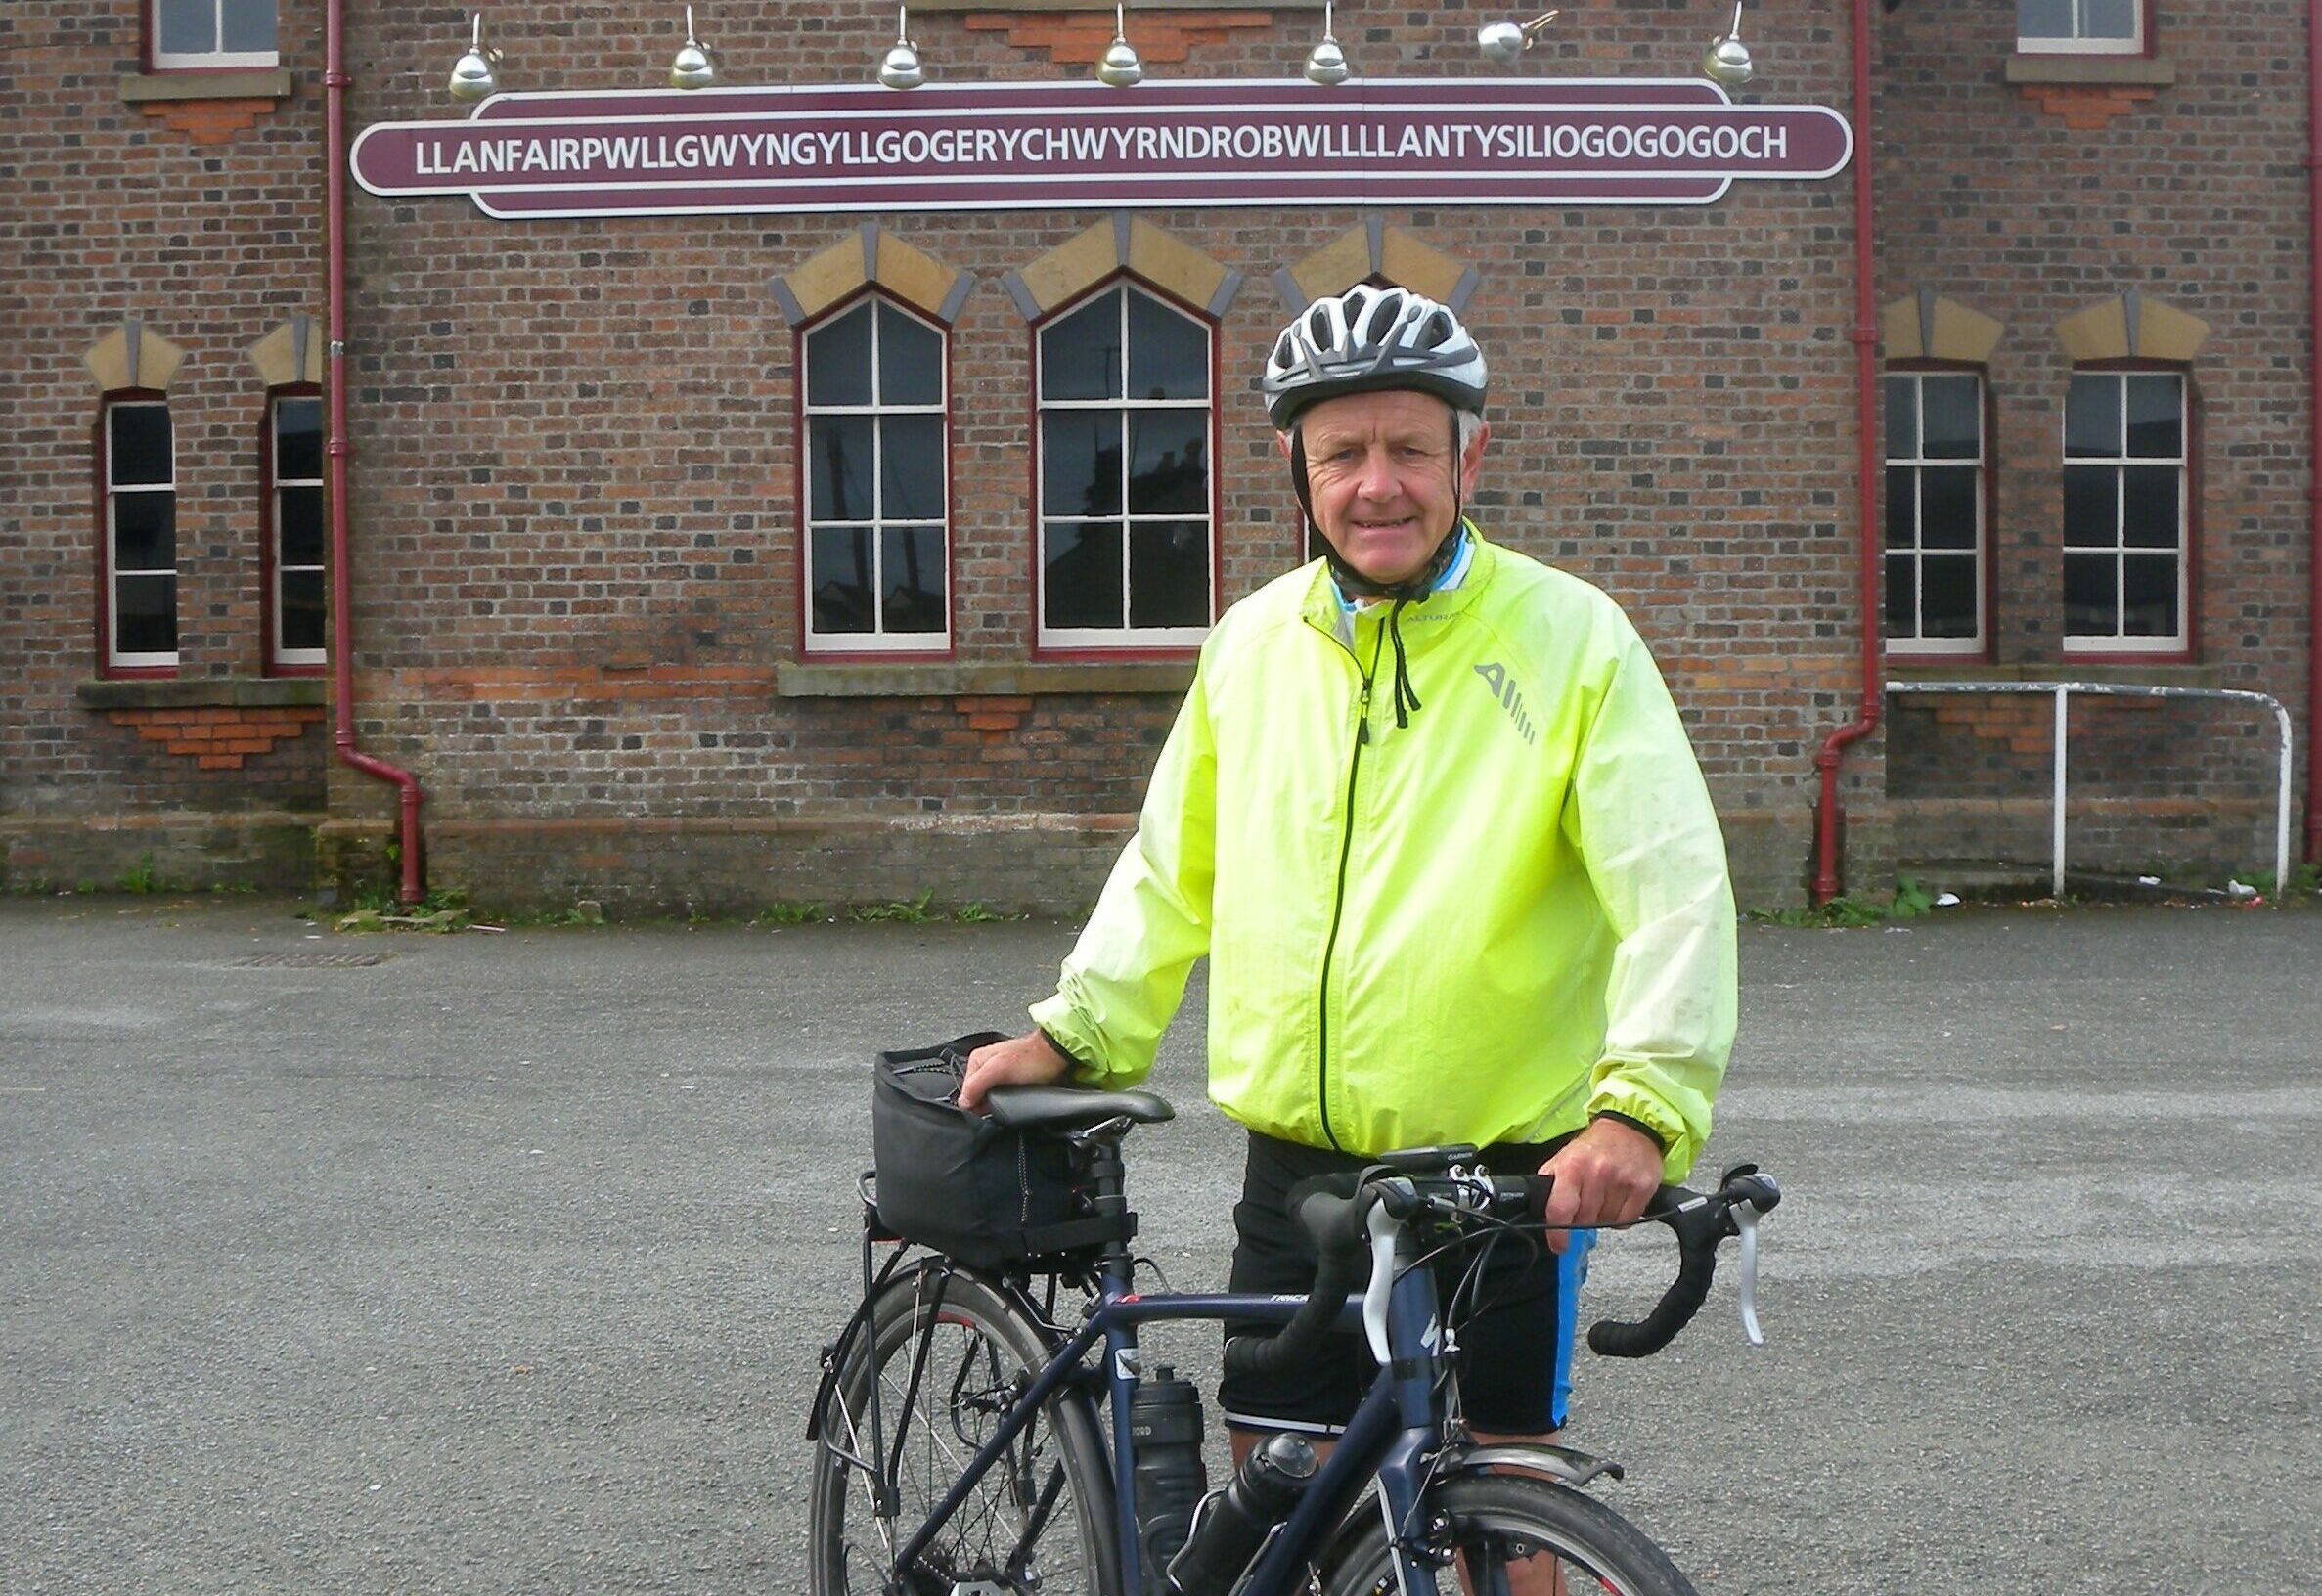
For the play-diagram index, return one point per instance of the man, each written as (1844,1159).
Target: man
(1430,812)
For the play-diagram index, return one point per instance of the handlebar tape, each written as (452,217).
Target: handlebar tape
(1700,1225)
(1331,1210)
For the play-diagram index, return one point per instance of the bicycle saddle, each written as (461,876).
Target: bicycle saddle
(1073,1108)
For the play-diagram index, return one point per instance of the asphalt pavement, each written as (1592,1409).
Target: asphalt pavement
(480,1263)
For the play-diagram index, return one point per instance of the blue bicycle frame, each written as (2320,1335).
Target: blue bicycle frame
(1395,1430)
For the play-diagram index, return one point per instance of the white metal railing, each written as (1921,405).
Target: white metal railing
(2063,692)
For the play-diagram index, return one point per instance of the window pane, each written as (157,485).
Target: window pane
(1947,596)
(838,360)
(2092,417)
(2149,606)
(188,26)
(913,569)
(1903,417)
(2089,600)
(1084,573)
(841,577)
(2150,517)
(301,614)
(249,25)
(1080,463)
(2043,18)
(1169,463)
(139,451)
(1947,506)
(2091,506)
(2156,418)
(1080,356)
(145,614)
(1902,597)
(298,440)
(840,468)
(1903,505)
(144,531)
(910,457)
(910,360)
(2111,18)
(1169,574)
(1954,418)
(1168,354)
(299,526)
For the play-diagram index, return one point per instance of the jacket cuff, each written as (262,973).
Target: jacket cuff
(1628,1101)
(1053,1017)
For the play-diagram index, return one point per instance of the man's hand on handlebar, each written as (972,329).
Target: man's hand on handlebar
(1604,1176)
(1028,1060)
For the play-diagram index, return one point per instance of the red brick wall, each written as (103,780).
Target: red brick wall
(200,218)
(2029,204)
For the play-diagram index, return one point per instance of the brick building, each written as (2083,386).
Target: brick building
(717,559)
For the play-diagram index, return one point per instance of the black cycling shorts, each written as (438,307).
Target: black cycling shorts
(1510,1352)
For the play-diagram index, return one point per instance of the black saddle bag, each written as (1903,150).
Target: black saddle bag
(965,1185)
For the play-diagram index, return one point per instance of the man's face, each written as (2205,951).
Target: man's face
(1380,470)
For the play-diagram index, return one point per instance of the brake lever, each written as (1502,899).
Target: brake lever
(1745,1220)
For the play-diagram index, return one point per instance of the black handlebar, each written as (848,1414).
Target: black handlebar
(1701,1221)
(1335,1210)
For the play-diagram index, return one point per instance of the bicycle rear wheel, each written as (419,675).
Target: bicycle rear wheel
(1505,1529)
(949,1353)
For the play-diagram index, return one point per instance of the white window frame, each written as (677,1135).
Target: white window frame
(879,640)
(1916,459)
(1067,638)
(2078,44)
(2117,641)
(278,654)
(115,658)
(199,60)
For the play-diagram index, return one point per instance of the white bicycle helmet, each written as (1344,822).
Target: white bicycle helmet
(1367,340)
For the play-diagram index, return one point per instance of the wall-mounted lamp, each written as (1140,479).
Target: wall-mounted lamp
(1506,42)
(477,72)
(1728,58)
(900,67)
(695,66)
(1119,68)
(1326,63)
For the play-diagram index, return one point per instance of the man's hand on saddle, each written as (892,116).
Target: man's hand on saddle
(1604,1176)
(1028,1060)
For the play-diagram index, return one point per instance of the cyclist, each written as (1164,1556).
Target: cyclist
(1488,905)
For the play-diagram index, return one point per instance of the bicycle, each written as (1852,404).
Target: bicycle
(992,1455)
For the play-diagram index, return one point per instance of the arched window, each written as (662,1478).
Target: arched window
(2126,575)
(1127,484)
(875,462)
(290,557)
(137,531)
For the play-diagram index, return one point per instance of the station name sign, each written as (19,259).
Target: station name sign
(1084,146)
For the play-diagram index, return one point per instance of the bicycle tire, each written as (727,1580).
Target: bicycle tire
(979,1343)
(1492,1520)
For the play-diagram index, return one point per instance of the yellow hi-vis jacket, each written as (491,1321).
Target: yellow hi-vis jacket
(1491,924)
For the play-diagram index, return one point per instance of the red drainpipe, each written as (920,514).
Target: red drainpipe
(342,625)
(2314,850)
(1865,336)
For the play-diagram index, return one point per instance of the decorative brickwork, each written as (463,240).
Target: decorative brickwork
(218,739)
(2087,108)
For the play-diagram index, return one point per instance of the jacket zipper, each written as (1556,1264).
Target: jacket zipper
(1338,902)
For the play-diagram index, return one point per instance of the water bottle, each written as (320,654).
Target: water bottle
(1232,1523)
(1165,1443)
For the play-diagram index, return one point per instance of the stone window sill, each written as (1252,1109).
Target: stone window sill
(260,83)
(213,692)
(979,681)
(1900,677)
(2145,72)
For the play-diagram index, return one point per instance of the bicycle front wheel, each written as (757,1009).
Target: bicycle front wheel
(1503,1532)
(946,1353)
